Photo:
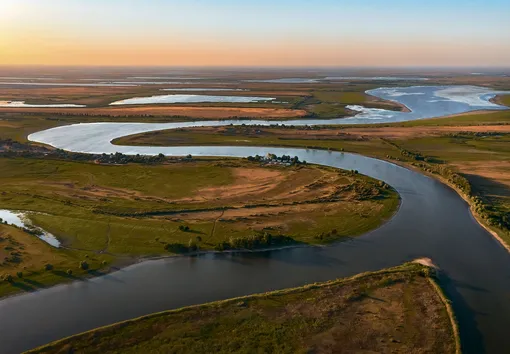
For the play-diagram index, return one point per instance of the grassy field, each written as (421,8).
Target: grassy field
(504,99)
(122,212)
(25,258)
(398,310)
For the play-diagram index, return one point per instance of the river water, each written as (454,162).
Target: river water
(433,221)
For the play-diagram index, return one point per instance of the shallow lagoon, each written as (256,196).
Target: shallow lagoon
(20,219)
(376,78)
(291,80)
(192,89)
(161,99)
(22,104)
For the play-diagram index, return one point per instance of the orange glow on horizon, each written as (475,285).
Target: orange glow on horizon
(35,50)
(262,33)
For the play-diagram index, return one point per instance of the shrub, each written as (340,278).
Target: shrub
(69,272)
(19,274)
(176,248)
(184,228)
(48,266)
(192,246)
(8,278)
(84,265)
(222,246)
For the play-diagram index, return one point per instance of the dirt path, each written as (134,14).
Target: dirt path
(214,224)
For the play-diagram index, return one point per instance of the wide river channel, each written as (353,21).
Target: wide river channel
(433,221)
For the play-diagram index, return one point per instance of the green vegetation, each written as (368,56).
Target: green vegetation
(478,165)
(474,161)
(117,213)
(135,209)
(475,118)
(28,264)
(504,99)
(407,314)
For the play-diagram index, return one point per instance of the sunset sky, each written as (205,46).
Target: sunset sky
(258,33)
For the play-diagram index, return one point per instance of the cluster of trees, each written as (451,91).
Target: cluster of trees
(272,157)
(184,228)
(404,152)
(177,247)
(83,265)
(13,257)
(9,278)
(470,135)
(365,190)
(326,236)
(10,144)
(255,241)
(15,149)
(490,214)
(285,126)
(119,158)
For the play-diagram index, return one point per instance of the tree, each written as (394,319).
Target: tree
(176,248)
(192,246)
(84,265)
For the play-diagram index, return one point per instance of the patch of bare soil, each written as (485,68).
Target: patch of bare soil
(194,112)
(248,182)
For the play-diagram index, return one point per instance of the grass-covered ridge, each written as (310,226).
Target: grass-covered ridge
(394,310)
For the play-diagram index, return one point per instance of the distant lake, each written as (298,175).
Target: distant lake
(70,84)
(161,99)
(20,219)
(292,80)
(22,104)
(376,78)
(190,89)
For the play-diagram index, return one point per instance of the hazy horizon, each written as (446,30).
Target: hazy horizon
(226,33)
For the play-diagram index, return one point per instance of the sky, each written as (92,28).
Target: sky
(255,32)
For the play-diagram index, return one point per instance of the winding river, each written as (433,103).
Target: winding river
(433,221)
